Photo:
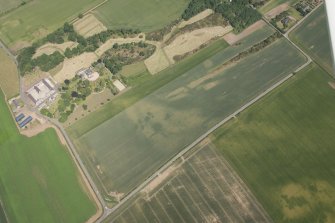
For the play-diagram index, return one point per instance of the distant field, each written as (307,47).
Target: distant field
(145,83)
(203,189)
(38,180)
(6,5)
(9,77)
(274,3)
(129,147)
(39,17)
(147,15)
(283,147)
(313,36)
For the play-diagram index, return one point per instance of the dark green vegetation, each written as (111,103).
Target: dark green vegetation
(65,33)
(144,84)
(203,189)
(183,109)
(125,54)
(313,36)
(38,18)
(32,175)
(238,12)
(283,147)
(146,15)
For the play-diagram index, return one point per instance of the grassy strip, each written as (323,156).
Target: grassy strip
(32,175)
(283,147)
(145,84)
(8,75)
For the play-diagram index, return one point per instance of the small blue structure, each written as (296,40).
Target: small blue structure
(25,122)
(19,117)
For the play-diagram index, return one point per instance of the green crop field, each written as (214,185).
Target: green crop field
(146,15)
(283,148)
(274,3)
(203,189)
(32,175)
(38,18)
(313,36)
(6,5)
(146,83)
(129,147)
(9,75)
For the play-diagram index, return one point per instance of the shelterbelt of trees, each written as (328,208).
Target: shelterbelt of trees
(239,13)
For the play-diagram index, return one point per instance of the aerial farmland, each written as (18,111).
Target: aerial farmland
(166,111)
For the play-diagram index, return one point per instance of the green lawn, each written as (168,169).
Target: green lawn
(145,83)
(313,36)
(134,143)
(38,18)
(38,180)
(283,147)
(9,75)
(147,15)
(6,5)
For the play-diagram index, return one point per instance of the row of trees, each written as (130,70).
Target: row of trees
(239,13)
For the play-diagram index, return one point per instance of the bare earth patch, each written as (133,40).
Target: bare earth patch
(232,38)
(196,18)
(72,65)
(50,48)
(277,10)
(89,25)
(193,40)
(158,61)
(332,84)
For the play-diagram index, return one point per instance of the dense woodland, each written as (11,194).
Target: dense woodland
(239,13)
(66,33)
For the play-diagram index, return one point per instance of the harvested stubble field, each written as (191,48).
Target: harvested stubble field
(38,18)
(88,26)
(128,147)
(32,172)
(146,15)
(203,189)
(283,148)
(313,36)
(9,75)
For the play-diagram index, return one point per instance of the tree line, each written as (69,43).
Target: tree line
(239,13)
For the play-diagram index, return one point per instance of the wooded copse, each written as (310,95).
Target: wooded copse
(239,13)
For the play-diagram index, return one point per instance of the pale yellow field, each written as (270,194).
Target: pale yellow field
(89,25)
(9,77)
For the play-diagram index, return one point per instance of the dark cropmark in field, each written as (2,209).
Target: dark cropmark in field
(313,36)
(203,189)
(283,148)
(126,149)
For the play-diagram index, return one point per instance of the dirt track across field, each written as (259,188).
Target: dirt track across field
(232,38)
(190,41)
(50,48)
(277,10)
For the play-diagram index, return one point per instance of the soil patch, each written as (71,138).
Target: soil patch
(196,18)
(277,10)
(158,61)
(88,26)
(193,40)
(232,38)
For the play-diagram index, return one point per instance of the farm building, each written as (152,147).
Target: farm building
(42,92)
(88,74)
